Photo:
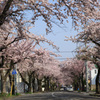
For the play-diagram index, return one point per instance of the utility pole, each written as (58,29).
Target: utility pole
(86,67)
(87,87)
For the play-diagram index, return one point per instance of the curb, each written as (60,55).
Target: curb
(97,95)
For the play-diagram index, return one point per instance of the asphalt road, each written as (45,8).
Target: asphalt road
(57,96)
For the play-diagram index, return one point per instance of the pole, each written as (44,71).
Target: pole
(15,83)
(87,90)
(11,88)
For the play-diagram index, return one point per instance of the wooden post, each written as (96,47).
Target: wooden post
(11,88)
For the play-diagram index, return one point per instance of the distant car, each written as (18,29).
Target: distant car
(70,88)
(63,88)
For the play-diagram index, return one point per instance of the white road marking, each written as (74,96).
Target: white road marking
(53,95)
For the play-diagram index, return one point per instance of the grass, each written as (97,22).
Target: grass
(93,90)
(28,93)
(4,96)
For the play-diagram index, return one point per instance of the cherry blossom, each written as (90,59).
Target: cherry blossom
(40,64)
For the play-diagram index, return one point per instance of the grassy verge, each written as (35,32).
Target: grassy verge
(5,96)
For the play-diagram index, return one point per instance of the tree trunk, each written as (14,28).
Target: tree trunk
(47,83)
(39,85)
(3,84)
(2,62)
(97,82)
(30,82)
(10,79)
(82,82)
(75,86)
(33,84)
(79,82)
(52,86)
(13,89)
(4,77)
(29,87)
(1,72)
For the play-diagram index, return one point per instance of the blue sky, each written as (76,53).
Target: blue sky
(58,36)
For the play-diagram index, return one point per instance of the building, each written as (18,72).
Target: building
(93,74)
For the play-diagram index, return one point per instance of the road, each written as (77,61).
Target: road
(57,96)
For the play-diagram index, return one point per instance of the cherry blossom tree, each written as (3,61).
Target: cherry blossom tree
(15,49)
(75,8)
(90,38)
(40,64)
(12,14)
(16,52)
(91,53)
(13,21)
(15,25)
(74,70)
(90,42)
(50,70)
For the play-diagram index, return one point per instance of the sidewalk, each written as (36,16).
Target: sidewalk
(90,93)
(94,94)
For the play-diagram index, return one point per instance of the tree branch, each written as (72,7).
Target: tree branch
(98,44)
(4,13)
(22,77)
(5,46)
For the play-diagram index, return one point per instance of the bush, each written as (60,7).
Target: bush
(17,94)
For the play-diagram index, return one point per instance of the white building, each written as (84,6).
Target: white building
(94,73)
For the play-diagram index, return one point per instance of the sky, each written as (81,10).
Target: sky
(58,37)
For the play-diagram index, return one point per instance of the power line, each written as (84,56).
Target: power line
(64,51)
(61,58)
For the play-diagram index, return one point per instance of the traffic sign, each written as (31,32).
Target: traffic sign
(14,72)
